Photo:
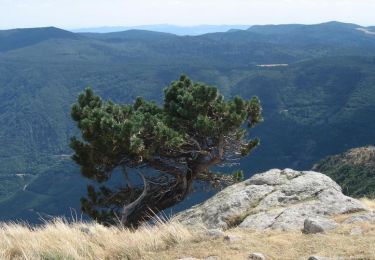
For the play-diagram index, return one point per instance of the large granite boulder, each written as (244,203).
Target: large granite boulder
(276,199)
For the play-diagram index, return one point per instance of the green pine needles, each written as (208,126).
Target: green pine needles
(170,148)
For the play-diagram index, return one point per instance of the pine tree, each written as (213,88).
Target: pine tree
(170,148)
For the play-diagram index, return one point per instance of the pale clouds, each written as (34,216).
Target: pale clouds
(89,13)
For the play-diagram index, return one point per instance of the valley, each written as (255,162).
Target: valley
(321,104)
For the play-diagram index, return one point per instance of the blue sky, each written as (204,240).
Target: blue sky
(91,13)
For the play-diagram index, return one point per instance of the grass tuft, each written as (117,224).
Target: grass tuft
(370,203)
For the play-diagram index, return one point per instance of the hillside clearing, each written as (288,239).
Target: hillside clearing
(366,31)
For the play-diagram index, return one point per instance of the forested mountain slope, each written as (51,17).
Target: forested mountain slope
(321,103)
(354,170)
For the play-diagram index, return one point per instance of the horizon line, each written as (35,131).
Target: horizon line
(68,28)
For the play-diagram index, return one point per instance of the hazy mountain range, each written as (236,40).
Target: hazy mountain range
(320,101)
(166,28)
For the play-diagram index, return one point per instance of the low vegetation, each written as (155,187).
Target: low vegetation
(353,170)
(61,240)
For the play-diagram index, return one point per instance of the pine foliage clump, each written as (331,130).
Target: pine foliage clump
(168,147)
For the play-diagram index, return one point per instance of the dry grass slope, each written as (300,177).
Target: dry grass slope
(361,156)
(62,240)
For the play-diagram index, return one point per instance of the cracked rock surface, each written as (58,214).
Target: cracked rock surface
(276,199)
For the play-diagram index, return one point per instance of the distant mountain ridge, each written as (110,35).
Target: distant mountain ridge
(18,38)
(173,29)
(205,29)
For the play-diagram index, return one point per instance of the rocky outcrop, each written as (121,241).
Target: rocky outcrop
(276,199)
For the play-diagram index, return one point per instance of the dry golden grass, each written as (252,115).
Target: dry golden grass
(61,240)
(370,203)
(279,245)
(361,156)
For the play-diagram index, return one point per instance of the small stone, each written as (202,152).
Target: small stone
(231,238)
(188,258)
(356,231)
(86,230)
(215,233)
(318,225)
(212,257)
(323,258)
(256,256)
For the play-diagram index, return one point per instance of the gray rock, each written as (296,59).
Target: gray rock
(276,199)
(231,238)
(212,257)
(256,256)
(356,231)
(231,202)
(86,230)
(215,233)
(366,217)
(318,225)
(323,258)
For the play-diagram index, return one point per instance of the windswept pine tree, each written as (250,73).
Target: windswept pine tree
(171,148)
